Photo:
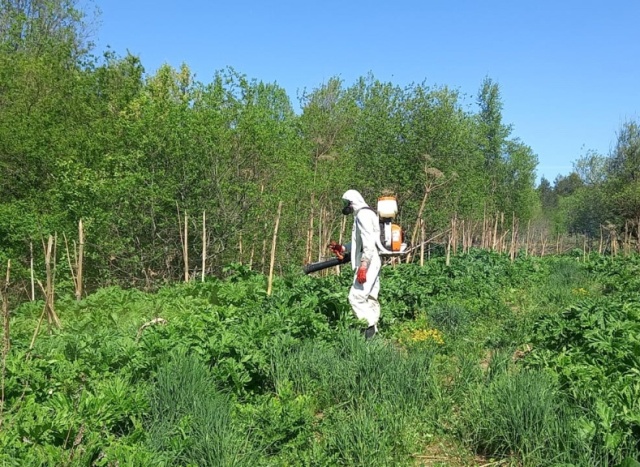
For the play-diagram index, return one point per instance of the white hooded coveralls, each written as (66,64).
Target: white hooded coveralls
(365,236)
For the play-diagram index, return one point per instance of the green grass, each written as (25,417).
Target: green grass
(191,421)
(502,362)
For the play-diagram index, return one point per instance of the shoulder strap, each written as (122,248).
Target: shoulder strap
(369,209)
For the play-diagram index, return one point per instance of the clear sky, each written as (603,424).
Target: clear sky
(568,70)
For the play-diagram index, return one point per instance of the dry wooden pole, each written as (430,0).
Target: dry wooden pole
(463,235)
(253,249)
(448,260)
(614,241)
(4,298)
(185,247)
(526,250)
(50,253)
(514,237)
(80,260)
(74,265)
(6,340)
(309,247)
(421,243)
(343,226)
(180,231)
(627,239)
(602,241)
(414,234)
(37,329)
(204,244)
(33,276)
(240,248)
(320,222)
(264,254)
(273,249)
(504,236)
(484,228)
(454,233)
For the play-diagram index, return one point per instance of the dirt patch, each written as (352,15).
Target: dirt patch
(447,454)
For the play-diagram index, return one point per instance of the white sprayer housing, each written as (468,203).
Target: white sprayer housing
(387,207)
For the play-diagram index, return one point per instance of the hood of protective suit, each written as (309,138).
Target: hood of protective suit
(356,199)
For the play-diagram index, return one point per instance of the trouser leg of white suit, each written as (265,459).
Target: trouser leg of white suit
(364,297)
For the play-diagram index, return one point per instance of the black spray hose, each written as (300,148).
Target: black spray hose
(320,265)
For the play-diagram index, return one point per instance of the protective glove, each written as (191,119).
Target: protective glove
(337,249)
(362,274)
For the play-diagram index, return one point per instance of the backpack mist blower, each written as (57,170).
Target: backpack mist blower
(391,242)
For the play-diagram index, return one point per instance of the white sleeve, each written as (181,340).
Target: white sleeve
(369,230)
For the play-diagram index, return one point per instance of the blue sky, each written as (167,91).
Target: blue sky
(568,70)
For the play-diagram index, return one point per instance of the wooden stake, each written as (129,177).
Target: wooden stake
(33,282)
(484,227)
(185,247)
(37,329)
(273,249)
(76,266)
(309,249)
(421,243)
(448,260)
(72,266)
(320,222)
(4,298)
(504,236)
(80,267)
(626,241)
(454,234)
(526,250)
(514,237)
(602,241)
(6,338)
(414,234)
(204,244)
(343,226)
(264,254)
(50,251)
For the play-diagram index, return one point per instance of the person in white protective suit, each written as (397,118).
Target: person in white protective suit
(365,260)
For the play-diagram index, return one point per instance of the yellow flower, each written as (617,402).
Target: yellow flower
(422,335)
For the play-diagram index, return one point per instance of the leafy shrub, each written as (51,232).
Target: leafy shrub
(594,350)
